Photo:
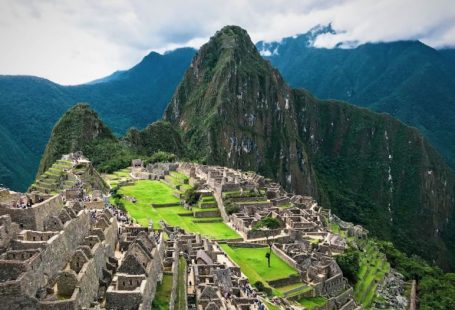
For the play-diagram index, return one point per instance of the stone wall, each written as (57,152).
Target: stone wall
(254,234)
(58,251)
(202,214)
(33,218)
(285,257)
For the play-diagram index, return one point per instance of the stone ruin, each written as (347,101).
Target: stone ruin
(61,252)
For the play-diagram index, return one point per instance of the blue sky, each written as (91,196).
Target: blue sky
(75,41)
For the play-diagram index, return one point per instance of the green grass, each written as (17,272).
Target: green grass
(271,306)
(284,289)
(179,175)
(313,302)
(253,264)
(147,192)
(181,285)
(113,179)
(150,192)
(163,292)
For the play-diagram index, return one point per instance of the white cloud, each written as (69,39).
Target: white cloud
(74,41)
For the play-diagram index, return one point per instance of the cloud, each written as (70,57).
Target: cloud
(75,41)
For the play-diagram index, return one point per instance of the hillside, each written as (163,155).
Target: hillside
(31,106)
(80,129)
(234,109)
(407,79)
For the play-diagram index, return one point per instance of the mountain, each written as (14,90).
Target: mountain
(158,136)
(80,129)
(232,108)
(407,79)
(30,106)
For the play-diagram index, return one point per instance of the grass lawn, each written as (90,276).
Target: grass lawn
(147,192)
(163,292)
(271,306)
(180,301)
(284,289)
(313,302)
(253,264)
(179,175)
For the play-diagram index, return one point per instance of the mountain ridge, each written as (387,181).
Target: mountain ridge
(352,159)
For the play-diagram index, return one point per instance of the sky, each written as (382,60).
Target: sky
(76,41)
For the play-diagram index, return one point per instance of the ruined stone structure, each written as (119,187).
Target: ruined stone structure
(304,239)
(62,251)
(72,250)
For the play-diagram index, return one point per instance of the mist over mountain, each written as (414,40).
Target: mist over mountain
(407,79)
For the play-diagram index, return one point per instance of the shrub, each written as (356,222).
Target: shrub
(232,208)
(262,288)
(191,196)
(349,263)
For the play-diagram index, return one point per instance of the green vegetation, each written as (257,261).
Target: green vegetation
(158,136)
(313,302)
(114,178)
(180,300)
(271,306)
(163,291)
(372,268)
(253,264)
(50,180)
(190,196)
(147,192)
(364,269)
(80,129)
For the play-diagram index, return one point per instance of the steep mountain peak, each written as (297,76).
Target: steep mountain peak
(235,109)
(232,37)
(230,45)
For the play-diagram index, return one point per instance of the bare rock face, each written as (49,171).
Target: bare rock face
(392,292)
(234,109)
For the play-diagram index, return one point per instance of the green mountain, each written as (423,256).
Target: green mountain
(80,129)
(31,106)
(407,79)
(158,136)
(234,109)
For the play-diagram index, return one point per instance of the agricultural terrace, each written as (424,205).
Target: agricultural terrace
(113,179)
(373,267)
(148,192)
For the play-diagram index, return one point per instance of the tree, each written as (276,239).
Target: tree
(267,224)
(191,196)
(349,263)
